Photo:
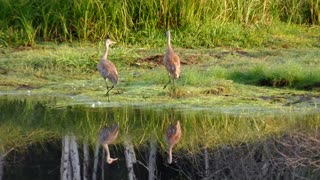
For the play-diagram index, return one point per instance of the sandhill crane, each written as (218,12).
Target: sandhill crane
(106,136)
(171,61)
(107,69)
(173,135)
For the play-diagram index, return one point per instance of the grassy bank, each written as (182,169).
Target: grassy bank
(143,22)
(220,77)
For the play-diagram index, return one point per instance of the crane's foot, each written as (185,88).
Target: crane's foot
(111,160)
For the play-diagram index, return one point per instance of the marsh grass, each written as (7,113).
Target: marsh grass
(62,69)
(200,23)
(289,74)
(51,69)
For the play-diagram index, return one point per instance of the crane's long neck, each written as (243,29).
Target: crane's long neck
(109,159)
(170,154)
(168,40)
(106,52)
(106,147)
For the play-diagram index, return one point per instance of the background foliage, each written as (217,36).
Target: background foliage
(209,22)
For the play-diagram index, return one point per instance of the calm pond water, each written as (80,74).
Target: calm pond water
(214,145)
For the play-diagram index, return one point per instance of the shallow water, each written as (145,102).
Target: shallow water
(32,129)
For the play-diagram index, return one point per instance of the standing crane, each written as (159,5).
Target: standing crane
(173,135)
(107,69)
(172,62)
(106,136)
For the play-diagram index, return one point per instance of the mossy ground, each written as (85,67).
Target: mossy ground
(214,78)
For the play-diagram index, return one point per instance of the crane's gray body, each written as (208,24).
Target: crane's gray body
(108,70)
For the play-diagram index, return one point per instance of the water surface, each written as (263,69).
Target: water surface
(32,129)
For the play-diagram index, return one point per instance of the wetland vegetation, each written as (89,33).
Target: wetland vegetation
(247,99)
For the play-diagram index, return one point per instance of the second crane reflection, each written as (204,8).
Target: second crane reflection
(106,136)
(173,135)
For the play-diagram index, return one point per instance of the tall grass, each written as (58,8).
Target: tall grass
(132,21)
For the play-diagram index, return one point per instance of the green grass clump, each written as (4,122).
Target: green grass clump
(289,74)
(203,76)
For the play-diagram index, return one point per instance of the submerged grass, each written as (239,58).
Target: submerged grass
(39,121)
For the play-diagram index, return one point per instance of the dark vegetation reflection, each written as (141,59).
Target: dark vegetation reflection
(41,139)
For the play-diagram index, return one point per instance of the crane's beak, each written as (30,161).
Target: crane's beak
(112,42)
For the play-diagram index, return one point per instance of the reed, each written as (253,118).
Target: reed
(134,21)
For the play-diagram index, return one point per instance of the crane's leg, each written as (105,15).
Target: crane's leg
(106,84)
(108,90)
(167,83)
(174,83)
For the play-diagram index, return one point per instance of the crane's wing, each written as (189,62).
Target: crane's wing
(108,70)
